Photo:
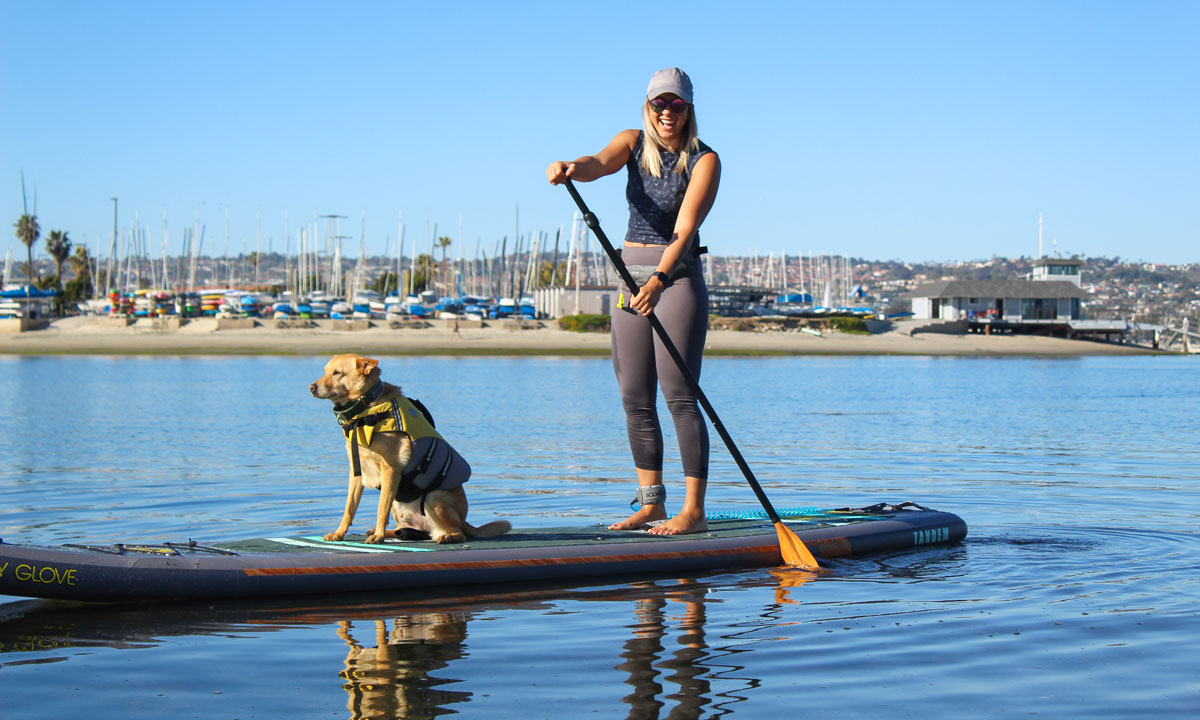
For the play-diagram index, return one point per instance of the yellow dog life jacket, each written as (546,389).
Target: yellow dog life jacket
(388,416)
(434,465)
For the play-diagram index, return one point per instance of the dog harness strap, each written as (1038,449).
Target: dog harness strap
(351,429)
(437,480)
(422,467)
(387,417)
(424,464)
(413,481)
(354,462)
(373,419)
(352,419)
(441,476)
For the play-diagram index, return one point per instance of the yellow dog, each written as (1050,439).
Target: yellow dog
(393,447)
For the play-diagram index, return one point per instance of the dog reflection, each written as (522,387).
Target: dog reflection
(393,678)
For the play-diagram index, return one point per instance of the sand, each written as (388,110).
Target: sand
(90,336)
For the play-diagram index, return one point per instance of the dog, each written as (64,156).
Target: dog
(393,447)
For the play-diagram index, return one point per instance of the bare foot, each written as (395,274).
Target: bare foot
(684,523)
(647,513)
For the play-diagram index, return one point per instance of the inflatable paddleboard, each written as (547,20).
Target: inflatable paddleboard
(309,565)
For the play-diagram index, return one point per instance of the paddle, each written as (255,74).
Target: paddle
(791,547)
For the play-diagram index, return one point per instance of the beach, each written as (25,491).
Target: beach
(202,336)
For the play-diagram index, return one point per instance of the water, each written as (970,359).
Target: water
(1074,595)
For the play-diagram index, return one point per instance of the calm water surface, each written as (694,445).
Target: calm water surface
(1074,595)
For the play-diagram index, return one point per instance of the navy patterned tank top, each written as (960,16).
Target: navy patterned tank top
(654,202)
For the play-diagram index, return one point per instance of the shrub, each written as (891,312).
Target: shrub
(584,322)
(849,325)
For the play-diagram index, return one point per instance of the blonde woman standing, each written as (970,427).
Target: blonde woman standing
(672,180)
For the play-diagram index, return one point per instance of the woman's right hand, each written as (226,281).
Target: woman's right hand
(559,171)
(647,297)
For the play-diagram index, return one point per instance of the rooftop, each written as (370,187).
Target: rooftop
(998,289)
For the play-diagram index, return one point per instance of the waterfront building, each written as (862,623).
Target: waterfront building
(1051,301)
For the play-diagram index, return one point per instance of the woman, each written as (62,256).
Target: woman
(672,183)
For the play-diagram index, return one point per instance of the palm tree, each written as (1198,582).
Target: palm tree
(28,233)
(59,247)
(444,244)
(81,263)
(424,274)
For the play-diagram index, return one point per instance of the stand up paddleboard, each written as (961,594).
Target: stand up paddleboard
(310,565)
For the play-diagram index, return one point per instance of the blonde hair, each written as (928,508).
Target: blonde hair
(652,142)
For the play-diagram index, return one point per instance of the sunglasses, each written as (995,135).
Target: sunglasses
(677,105)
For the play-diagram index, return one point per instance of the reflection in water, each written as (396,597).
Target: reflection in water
(692,664)
(685,664)
(389,670)
(393,678)
(790,578)
(399,652)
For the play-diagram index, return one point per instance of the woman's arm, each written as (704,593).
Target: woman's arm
(697,201)
(590,167)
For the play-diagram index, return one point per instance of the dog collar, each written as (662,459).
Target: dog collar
(346,413)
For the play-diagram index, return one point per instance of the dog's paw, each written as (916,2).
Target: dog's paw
(374,539)
(334,537)
(451,538)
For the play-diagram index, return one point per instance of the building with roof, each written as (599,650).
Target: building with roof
(1050,301)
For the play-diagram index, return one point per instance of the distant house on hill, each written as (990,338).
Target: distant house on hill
(1049,302)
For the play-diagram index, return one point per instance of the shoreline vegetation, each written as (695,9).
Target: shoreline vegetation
(201,336)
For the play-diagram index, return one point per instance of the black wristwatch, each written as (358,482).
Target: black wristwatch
(662,276)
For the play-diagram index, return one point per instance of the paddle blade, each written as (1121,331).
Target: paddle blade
(795,554)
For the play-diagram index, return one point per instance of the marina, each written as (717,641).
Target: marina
(816,294)
(960,309)
(1054,301)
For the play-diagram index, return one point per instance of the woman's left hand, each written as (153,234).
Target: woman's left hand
(647,296)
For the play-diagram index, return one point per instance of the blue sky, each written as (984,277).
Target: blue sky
(885,130)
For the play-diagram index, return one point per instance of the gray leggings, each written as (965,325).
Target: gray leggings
(642,363)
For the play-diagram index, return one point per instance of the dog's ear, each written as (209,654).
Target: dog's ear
(366,365)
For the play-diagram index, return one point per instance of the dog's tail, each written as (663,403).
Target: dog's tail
(495,528)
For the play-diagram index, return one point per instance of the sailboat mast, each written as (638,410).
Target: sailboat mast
(166,280)
(258,250)
(399,248)
(412,260)
(287,249)
(1039,236)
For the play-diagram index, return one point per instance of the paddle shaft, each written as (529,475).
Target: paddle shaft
(693,383)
